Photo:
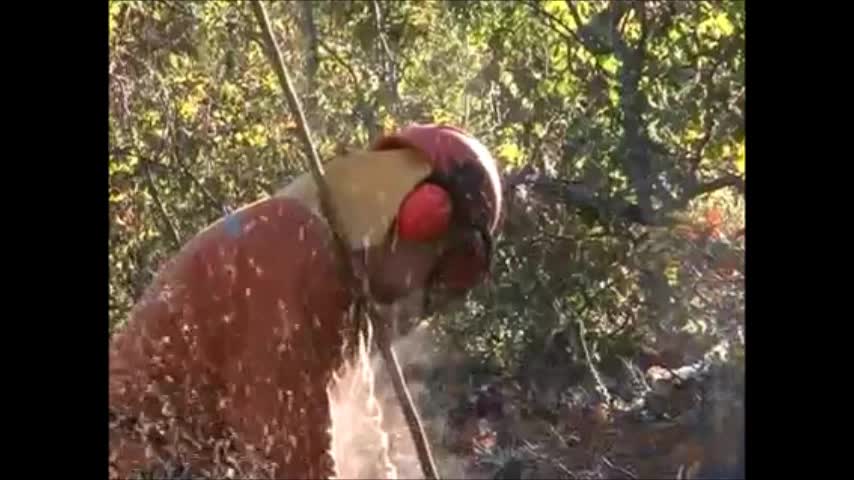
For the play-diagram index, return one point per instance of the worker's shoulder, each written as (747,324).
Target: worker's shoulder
(270,215)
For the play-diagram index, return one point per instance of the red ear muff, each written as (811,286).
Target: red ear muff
(425,214)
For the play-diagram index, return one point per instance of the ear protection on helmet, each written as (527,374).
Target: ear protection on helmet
(425,213)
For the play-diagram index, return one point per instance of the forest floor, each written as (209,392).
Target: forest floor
(684,422)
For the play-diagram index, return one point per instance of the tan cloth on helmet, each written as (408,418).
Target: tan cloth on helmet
(367,187)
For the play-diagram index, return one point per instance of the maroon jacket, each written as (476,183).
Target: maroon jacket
(243,327)
(231,350)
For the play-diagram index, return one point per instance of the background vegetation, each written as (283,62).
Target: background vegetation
(620,131)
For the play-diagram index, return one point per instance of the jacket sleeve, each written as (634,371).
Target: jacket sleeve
(240,333)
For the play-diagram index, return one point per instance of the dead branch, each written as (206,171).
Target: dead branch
(591,365)
(419,438)
(618,468)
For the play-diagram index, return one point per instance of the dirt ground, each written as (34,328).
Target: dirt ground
(683,422)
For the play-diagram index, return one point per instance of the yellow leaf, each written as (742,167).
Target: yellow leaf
(442,116)
(115,8)
(692,135)
(188,108)
(510,152)
(614,96)
(389,125)
(116,197)
(611,64)
(230,91)
(174,60)
(258,136)
(723,24)
(271,81)
(739,159)
(672,273)
(555,6)
(716,27)
(559,9)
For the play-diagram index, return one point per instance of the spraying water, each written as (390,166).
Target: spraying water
(370,434)
(360,445)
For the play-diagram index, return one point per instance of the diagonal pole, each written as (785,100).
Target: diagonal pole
(413,421)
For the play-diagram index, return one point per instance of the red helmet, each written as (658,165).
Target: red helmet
(470,197)
(461,163)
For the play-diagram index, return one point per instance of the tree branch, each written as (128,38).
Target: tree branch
(579,196)
(332,53)
(591,365)
(710,116)
(571,37)
(213,203)
(554,21)
(174,236)
(633,149)
(363,109)
(180,160)
(390,63)
(717,184)
(578,23)
(640,7)
(309,29)
(698,189)
(584,197)
(535,152)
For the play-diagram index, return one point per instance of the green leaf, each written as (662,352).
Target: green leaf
(611,64)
